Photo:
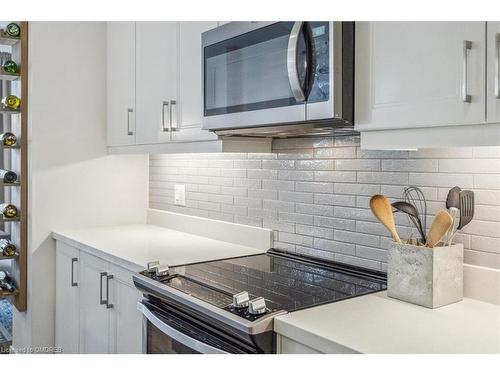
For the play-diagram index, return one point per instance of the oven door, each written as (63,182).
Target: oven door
(256,73)
(166,333)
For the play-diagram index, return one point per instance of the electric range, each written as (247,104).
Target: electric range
(228,306)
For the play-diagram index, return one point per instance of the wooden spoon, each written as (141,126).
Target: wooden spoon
(381,208)
(441,224)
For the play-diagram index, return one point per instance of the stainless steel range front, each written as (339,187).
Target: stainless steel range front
(228,306)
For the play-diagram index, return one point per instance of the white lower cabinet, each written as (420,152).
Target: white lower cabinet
(94,315)
(67,297)
(96,305)
(126,319)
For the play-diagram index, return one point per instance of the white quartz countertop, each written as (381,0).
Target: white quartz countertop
(376,323)
(133,246)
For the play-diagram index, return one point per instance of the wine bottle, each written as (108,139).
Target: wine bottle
(8,177)
(11,101)
(8,210)
(6,282)
(8,139)
(7,247)
(10,66)
(13,29)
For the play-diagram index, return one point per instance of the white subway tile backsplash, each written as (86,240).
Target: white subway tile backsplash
(357,189)
(487,181)
(280,206)
(410,165)
(357,165)
(262,193)
(335,200)
(356,238)
(314,209)
(335,246)
(335,176)
(296,175)
(486,152)
(289,196)
(314,187)
(314,193)
(390,178)
(316,165)
(278,185)
(469,166)
(310,230)
(441,179)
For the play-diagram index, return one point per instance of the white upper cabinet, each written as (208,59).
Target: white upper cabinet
(154,90)
(420,74)
(493,69)
(121,83)
(189,103)
(156,80)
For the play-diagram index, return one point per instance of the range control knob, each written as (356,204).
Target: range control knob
(153,266)
(257,306)
(240,300)
(161,270)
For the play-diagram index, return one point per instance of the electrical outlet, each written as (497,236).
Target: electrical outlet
(179,195)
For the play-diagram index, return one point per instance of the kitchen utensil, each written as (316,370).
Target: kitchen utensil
(442,222)
(453,197)
(453,206)
(453,211)
(415,196)
(466,208)
(466,198)
(382,210)
(412,213)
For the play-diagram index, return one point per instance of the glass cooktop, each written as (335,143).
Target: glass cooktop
(287,282)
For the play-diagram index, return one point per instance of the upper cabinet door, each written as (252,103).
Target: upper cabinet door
(188,107)
(121,83)
(156,72)
(493,69)
(419,74)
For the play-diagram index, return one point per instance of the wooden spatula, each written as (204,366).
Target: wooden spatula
(442,222)
(381,208)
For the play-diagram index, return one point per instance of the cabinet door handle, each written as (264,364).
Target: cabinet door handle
(73,282)
(467,46)
(103,301)
(165,106)
(108,305)
(130,130)
(173,116)
(497,65)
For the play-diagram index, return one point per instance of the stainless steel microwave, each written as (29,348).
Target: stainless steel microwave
(278,79)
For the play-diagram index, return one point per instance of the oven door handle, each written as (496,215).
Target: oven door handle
(176,335)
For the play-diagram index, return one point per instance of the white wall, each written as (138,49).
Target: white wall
(73,182)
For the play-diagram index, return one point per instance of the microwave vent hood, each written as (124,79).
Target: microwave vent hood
(332,128)
(279,79)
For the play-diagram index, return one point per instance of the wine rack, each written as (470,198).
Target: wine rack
(16,159)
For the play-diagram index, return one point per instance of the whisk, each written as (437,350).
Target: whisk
(415,196)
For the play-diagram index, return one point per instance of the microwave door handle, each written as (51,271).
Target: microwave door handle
(311,60)
(293,72)
(176,335)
